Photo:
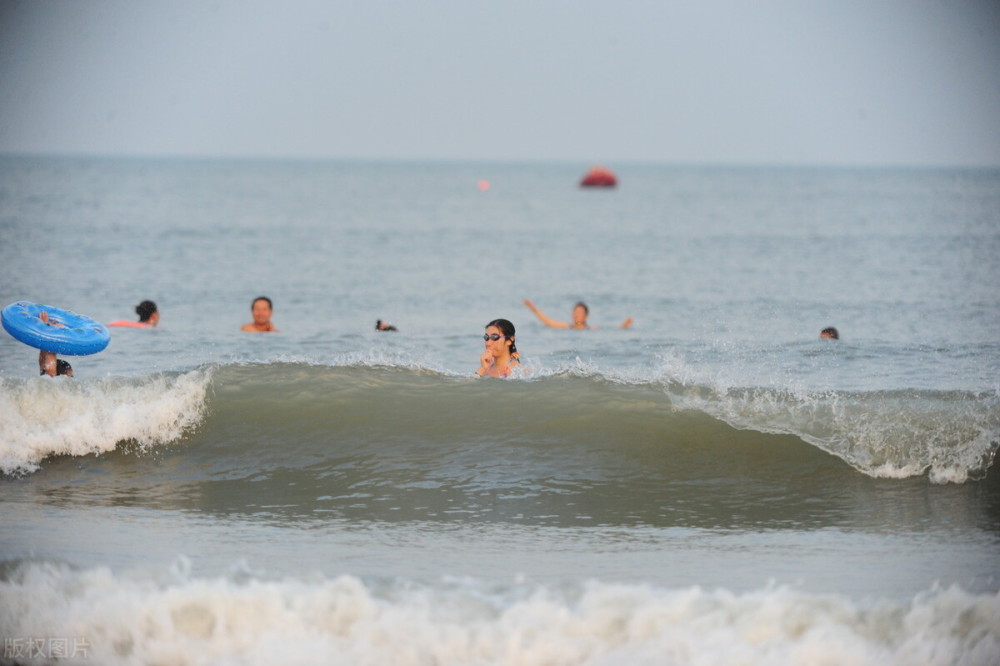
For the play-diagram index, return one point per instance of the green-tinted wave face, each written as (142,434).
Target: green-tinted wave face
(300,442)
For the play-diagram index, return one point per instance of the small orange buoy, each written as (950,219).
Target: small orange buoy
(599,176)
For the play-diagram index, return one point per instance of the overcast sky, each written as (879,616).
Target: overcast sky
(866,82)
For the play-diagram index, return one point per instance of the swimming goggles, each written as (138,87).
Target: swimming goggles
(493,336)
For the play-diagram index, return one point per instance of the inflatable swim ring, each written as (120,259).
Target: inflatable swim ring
(67,333)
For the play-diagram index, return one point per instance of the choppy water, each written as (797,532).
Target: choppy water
(713,485)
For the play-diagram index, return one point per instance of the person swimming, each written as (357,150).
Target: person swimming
(500,355)
(261,309)
(46,367)
(829,333)
(48,364)
(579,315)
(149,316)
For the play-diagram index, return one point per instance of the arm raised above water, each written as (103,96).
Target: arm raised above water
(545,319)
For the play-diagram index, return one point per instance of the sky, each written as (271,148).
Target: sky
(776,82)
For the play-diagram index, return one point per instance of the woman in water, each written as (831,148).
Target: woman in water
(500,355)
(149,316)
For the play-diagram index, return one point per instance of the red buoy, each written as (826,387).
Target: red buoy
(599,176)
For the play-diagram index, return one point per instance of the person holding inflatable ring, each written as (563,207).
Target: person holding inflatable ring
(48,364)
(53,331)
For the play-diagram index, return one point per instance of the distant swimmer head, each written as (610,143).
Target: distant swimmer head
(829,333)
(580,314)
(507,330)
(261,309)
(148,314)
(384,326)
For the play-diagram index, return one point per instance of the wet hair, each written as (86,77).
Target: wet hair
(581,304)
(145,310)
(829,332)
(262,298)
(62,368)
(507,329)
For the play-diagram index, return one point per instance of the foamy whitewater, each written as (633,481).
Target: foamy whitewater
(712,485)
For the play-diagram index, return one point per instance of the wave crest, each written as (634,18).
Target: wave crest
(41,417)
(952,436)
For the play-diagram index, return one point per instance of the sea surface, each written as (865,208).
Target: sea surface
(713,485)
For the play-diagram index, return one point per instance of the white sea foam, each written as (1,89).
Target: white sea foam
(144,617)
(950,436)
(40,417)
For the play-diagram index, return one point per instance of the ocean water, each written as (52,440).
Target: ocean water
(713,485)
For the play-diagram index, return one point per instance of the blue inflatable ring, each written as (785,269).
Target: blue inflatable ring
(66,333)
